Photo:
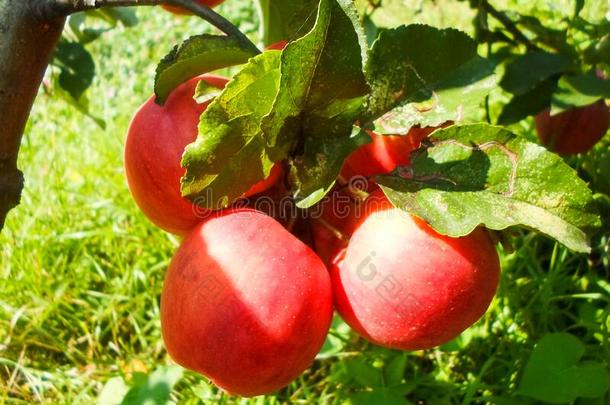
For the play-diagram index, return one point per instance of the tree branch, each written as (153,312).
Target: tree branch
(509,25)
(26,44)
(58,8)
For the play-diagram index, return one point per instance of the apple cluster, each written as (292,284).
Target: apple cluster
(248,298)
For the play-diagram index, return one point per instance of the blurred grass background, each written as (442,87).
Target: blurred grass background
(81,269)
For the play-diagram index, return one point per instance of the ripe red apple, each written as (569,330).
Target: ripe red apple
(245,303)
(384,153)
(181,11)
(401,285)
(573,131)
(155,143)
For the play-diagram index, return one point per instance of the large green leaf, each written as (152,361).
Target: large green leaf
(480,174)
(554,372)
(197,55)
(320,68)
(425,76)
(229,156)
(321,90)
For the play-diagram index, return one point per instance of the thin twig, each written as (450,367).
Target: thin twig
(55,8)
(509,25)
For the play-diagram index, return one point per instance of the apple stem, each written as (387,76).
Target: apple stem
(336,232)
(355,192)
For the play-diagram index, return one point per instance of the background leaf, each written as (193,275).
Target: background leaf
(153,389)
(579,91)
(484,175)
(555,374)
(527,71)
(76,66)
(529,103)
(421,75)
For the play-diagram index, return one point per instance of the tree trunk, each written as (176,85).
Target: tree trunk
(26,45)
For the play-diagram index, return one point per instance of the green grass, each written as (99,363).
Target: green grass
(81,272)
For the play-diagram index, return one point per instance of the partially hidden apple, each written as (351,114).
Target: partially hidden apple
(384,153)
(154,146)
(181,11)
(575,130)
(245,303)
(277,46)
(402,285)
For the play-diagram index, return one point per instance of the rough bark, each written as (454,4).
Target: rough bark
(26,45)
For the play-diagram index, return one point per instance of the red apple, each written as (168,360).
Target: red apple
(245,303)
(401,285)
(155,143)
(181,11)
(384,153)
(573,131)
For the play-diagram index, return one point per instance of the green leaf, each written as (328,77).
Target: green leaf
(527,71)
(336,340)
(394,372)
(286,20)
(320,96)
(598,51)
(318,168)
(480,174)
(323,67)
(76,24)
(125,15)
(530,103)
(579,91)
(555,374)
(86,28)
(154,388)
(76,66)
(197,55)
(229,155)
(364,373)
(205,92)
(421,75)
(113,392)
